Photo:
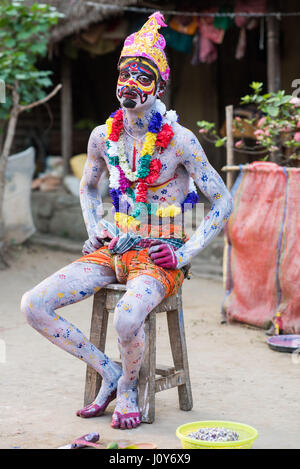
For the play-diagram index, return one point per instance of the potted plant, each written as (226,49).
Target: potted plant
(274,127)
(24,37)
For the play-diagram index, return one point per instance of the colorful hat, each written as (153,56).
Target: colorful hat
(148,43)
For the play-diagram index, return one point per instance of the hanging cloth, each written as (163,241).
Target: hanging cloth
(223,22)
(184,24)
(248,6)
(241,45)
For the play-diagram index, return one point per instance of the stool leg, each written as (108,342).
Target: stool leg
(147,372)
(179,352)
(98,338)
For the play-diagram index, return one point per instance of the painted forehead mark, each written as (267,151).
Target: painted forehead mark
(137,65)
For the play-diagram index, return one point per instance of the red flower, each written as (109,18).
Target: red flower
(142,192)
(117,126)
(164,136)
(154,171)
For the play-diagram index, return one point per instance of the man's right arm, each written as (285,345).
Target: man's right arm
(90,194)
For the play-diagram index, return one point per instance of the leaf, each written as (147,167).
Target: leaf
(10,43)
(273,111)
(220,142)
(21,76)
(246,99)
(256,86)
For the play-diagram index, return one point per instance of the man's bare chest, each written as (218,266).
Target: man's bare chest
(169,158)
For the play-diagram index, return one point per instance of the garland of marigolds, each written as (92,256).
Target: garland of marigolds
(158,136)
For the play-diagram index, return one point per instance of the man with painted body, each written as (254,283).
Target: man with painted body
(154,161)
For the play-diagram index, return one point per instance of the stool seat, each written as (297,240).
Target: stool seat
(153,377)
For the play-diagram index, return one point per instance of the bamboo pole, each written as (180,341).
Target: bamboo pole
(273,60)
(230,168)
(273,64)
(229,145)
(233,168)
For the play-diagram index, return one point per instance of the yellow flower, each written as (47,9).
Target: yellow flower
(126,221)
(169,211)
(109,122)
(148,147)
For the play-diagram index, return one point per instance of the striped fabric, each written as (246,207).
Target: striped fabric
(129,241)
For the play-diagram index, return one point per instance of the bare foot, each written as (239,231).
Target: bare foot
(126,415)
(107,393)
(94,409)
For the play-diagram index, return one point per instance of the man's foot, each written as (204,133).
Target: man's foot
(94,409)
(126,414)
(107,393)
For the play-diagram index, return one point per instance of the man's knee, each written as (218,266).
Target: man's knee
(28,309)
(126,325)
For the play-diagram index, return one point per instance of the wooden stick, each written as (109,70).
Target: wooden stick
(229,144)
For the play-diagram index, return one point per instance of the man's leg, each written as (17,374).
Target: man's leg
(143,294)
(71,284)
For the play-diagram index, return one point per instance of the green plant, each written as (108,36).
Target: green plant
(276,126)
(24,37)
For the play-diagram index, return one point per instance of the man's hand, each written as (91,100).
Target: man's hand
(163,255)
(95,242)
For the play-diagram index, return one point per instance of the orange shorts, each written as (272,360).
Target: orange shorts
(133,263)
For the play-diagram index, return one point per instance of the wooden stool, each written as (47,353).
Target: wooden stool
(105,302)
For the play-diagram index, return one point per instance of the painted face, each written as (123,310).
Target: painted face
(137,83)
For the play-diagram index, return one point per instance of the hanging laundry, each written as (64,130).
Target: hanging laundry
(209,36)
(196,49)
(248,6)
(247,22)
(184,24)
(241,45)
(223,22)
(208,50)
(208,30)
(178,41)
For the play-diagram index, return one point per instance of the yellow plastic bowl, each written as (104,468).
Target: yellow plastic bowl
(247,435)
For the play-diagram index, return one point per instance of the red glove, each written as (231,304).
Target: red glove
(113,243)
(163,255)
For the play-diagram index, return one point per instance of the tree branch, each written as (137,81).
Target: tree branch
(41,101)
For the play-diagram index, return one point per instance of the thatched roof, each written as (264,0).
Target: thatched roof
(79,14)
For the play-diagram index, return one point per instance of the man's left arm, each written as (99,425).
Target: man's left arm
(212,186)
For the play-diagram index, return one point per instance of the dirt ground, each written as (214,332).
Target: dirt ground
(235,376)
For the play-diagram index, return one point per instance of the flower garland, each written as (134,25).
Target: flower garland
(158,137)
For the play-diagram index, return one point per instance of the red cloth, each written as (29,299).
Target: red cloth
(263,252)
